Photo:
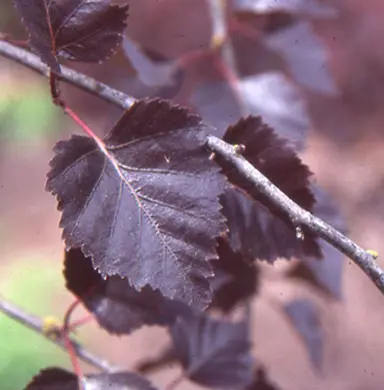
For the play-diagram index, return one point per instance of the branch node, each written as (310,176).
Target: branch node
(299,233)
(373,253)
(52,328)
(239,149)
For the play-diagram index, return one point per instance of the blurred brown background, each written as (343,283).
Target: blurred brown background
(345,149)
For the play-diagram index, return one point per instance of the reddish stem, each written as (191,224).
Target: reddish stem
(76,119)
(80,322)
(68,313)
(68,343)
(74,360)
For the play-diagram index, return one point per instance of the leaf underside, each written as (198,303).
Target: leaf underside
(116,305)
(146,208)
(80,30)
(235,278)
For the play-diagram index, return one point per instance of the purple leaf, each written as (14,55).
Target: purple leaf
(259,235)
(116,305)
(144,205)
(214,353)
(88,31)
(305,55)
(305,319)
(58,379)
(150,73)
(257,229)
(236,279)
(155,75)
(269,95)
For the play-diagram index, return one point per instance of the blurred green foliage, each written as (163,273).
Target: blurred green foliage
(27,115)
(30,283)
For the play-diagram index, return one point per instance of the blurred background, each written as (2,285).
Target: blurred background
(316,74)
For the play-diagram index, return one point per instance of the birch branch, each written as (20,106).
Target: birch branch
(301,217)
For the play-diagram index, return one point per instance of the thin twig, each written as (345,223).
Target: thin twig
(301,217)
(227,63)
(35,323)
(220,36)
(77,79)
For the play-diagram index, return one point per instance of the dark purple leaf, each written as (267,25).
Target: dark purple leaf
(88,31)
(235,279)
(256,233)
(261,382)
(116,305)
(274,157)
(53,379)
(313,8)
(257,229)
(58,379)
(326,274)
(305,318)
(144,205)
(269,95)
(214,353)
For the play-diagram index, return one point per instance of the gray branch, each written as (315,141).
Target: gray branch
(68,75)
(300,216)
(297,214)
(35,323)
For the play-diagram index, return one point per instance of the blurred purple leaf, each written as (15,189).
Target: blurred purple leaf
(213,352)
(269,95)
(305,55)
(149,72)
(304,316)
